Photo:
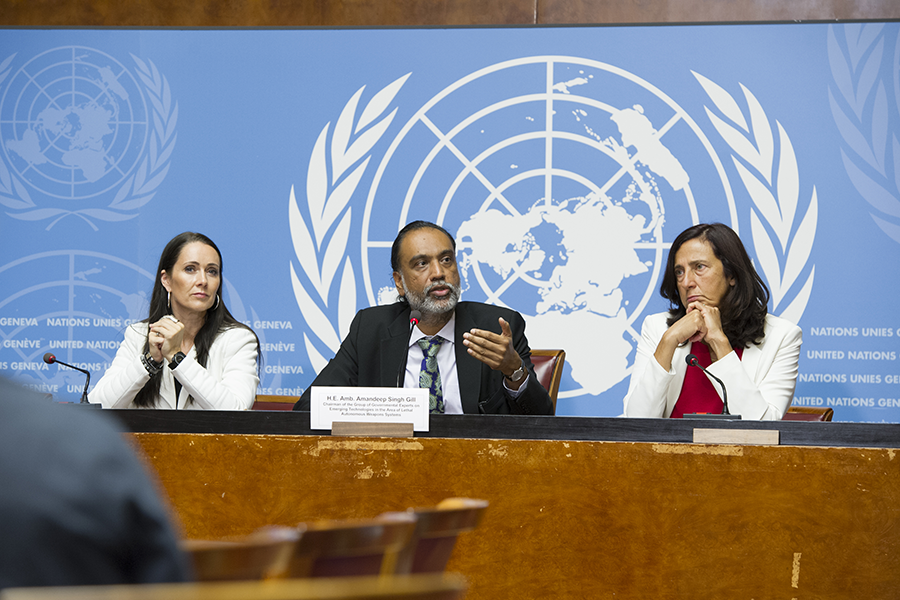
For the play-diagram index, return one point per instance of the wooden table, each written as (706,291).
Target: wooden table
(569,518)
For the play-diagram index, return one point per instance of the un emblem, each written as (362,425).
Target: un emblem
(554,173)
(79,128)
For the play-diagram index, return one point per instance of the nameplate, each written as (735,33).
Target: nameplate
(755,437)
(399,406)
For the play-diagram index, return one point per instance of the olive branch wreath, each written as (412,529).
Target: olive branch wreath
(866,133)
(335,169)
(137,190)
(775,191)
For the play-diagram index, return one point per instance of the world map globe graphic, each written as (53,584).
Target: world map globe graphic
(553,173)
(73,122)
(73,303)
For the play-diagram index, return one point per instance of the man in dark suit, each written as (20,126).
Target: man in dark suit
(77,506)
(482,371)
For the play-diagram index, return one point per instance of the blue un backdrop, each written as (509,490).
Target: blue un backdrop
(564,160)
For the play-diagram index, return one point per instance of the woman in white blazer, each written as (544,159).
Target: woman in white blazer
(190,352)
(718,313)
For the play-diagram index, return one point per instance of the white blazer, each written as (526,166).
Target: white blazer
(760,385)
(228,382)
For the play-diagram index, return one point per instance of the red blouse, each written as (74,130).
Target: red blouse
(698,394)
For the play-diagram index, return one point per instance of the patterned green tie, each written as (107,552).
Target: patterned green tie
(430,376)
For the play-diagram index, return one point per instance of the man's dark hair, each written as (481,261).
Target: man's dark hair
(395,248)
(743,309)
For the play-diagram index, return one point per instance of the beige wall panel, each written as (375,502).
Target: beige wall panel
(373,13)
(265,13)
(552,12)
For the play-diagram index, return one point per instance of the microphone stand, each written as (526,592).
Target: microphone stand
(692,361)
(49,358)
(414,317)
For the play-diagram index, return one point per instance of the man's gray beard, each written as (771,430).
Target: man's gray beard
(429,305)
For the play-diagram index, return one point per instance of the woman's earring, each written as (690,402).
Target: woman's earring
(217,303)
(169,301)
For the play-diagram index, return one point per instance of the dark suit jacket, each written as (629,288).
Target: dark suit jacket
(371,355)
(76,504)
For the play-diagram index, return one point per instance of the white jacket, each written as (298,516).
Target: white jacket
(228,382)
(760,384)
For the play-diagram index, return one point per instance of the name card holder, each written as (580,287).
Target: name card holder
(751,437)
(372,429)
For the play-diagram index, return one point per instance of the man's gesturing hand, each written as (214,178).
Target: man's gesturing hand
(493,349)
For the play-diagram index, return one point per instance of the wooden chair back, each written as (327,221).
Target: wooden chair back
(548,366)
(267,402)
(808,413)
(352,547)
(263,554)
(437,528)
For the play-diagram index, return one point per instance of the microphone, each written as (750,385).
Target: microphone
(49,358)
(414,317)
(692,361)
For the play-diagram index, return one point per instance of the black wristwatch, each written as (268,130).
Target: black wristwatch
(176,360)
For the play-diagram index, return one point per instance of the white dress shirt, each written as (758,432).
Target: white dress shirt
(446,359)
